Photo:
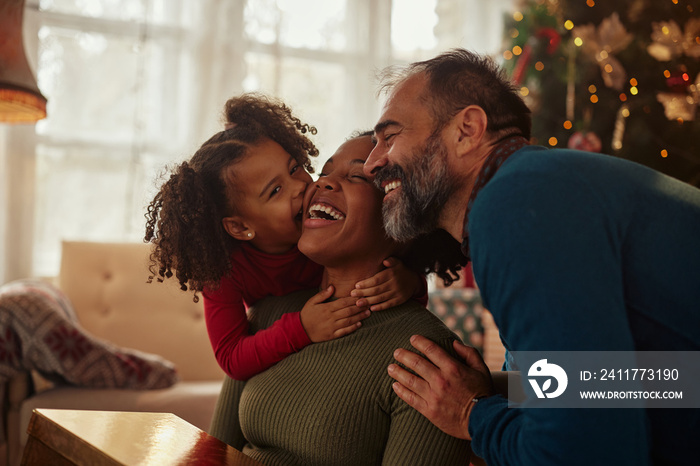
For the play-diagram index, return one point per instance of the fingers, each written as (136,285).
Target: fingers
(348,320)
(433,352)
(373,291)
(343,303)
(405,387)
(371,300)
(376,284)
(461,349)
(350,315)
(406,379)
(441,388)
(391,262)
(385,305)
(471,356)
(421,366)
(369,282)
(322,295)
(341,332)
(324,320)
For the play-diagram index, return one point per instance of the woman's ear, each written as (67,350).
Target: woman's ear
(237,228)
(471,123)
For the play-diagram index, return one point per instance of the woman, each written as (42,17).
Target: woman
(332,403)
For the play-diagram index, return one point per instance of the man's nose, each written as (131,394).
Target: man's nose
(376,161)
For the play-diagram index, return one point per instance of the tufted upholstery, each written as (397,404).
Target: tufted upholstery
(107,286)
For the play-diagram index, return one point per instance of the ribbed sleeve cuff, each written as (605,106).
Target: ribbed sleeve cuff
(298,338)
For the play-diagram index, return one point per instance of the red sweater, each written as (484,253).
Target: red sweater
(254,275)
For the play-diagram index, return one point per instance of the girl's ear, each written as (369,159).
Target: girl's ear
(237,228)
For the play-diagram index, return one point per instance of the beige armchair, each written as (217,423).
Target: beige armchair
(106,284)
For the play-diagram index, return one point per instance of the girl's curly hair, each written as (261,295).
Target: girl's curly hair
(184,219)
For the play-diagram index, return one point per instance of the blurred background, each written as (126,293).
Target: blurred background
(134,86)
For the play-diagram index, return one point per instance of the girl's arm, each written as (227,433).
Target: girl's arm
(238,353)
(392,286)
(242,355)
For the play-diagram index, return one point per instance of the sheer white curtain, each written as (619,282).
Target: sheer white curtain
(135,85)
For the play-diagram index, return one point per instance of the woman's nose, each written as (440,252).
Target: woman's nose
(326,182)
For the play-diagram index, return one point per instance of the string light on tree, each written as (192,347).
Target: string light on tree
(619,77)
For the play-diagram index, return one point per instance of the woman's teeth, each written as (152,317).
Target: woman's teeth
(391,186)
(325,212)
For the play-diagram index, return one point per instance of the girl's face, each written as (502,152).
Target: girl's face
(268,186)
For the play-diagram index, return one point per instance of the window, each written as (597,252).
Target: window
(136,85)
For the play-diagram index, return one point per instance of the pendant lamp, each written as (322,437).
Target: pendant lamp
(20,98)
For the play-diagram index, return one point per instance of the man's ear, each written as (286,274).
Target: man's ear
(470,126)
(237,228)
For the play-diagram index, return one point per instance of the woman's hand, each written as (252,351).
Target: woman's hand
(325,321)
(392,286)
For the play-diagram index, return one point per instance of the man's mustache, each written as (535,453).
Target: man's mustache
(389,172)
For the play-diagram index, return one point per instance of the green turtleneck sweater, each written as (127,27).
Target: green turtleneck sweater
(332,402)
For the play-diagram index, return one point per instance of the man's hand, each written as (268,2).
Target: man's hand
(444,388)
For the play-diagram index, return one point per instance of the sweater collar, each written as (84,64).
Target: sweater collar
(494,160)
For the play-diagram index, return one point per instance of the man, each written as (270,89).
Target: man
(572,251)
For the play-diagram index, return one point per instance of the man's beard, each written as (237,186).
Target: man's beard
(416,209)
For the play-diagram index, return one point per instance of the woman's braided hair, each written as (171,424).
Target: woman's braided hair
(184,219)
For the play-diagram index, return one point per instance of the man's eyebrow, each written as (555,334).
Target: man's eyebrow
(382,125)
(267,186)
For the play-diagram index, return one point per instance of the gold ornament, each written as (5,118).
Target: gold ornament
(601,43)
(670,42)
(619,131)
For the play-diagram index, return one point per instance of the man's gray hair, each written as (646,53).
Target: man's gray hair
(459,78)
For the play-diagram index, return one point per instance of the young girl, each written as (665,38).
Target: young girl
(226,224)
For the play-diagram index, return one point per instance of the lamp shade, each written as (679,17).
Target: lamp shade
(20,99)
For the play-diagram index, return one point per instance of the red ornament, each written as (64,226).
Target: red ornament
(553,38)
(679,81)
(522,64)
(585,141)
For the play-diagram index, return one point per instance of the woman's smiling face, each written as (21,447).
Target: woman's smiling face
(342,210)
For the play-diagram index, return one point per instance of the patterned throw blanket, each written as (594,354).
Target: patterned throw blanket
(39,331)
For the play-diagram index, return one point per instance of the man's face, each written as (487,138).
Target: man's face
(410,164)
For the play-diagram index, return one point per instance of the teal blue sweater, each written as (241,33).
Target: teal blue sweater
(580,251)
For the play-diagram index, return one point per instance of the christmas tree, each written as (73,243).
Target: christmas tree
(619,77)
